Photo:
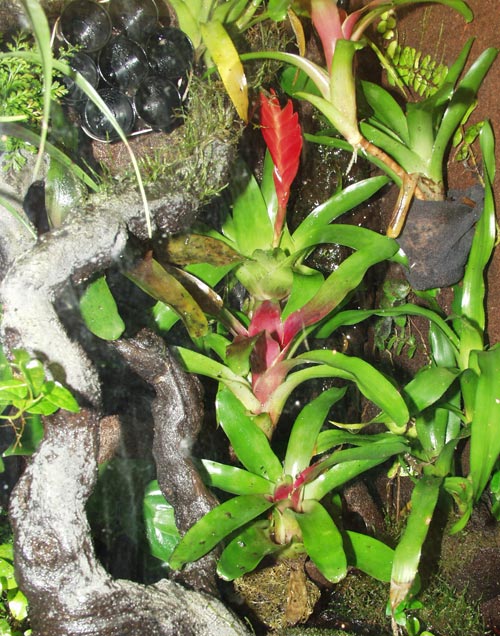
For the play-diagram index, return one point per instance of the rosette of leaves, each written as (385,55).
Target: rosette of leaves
(277,509)
(409,146)
(286,299)
(456,397)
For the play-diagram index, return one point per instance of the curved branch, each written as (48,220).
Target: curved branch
(68,591)
(30,287)
(15,238)
(92,240)
(177,412)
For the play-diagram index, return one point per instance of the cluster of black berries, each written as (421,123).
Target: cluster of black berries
(139,67)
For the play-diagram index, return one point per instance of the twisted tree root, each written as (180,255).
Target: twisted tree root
(69,592)
(177,413)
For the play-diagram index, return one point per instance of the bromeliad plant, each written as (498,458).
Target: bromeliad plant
(286,299)
(410,147)
(278,508)
(260,366)
(290,493)
(455,398)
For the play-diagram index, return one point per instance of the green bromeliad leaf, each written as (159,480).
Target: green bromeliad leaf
(303,437)
(156,281)
(216,525)
(485,437)
(248,199)
(244,553)
(235,480)
(369,555)
(322,540)
(407,554)
(248,441)
(159,520)
(227,60)
(370,382)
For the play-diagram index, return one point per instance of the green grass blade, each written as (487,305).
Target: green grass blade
(322,540)
(41,31)
(20,132)
(93,95)
(216,525)
(17,214)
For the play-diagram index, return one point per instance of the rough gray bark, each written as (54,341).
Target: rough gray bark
(15,238)
(89,242)
(69,592)
(178,414)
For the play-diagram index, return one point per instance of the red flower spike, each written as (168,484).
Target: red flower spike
(283,137)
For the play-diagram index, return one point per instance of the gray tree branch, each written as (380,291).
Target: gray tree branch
(177,413)
(69,592)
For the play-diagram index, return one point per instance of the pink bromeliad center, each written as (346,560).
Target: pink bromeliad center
(292,490)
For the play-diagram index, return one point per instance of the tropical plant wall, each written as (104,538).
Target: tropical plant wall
(283,499)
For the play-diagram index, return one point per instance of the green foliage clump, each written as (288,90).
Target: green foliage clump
(421,73)
(409,67)
(21,96)
(25,395)
(13,603)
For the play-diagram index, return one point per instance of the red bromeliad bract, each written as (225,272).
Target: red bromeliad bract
(283,136)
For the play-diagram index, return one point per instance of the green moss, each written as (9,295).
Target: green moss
(194,158)
(361,601)
(447,612)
